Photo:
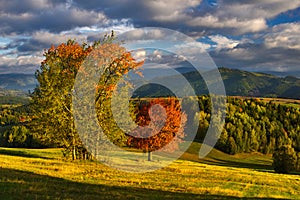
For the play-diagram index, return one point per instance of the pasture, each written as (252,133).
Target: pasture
(44,174)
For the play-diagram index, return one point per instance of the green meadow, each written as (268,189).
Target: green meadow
(44,174)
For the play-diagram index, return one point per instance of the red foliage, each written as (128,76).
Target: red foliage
(171,131)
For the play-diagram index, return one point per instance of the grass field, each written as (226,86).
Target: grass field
(44,174)
(283,101)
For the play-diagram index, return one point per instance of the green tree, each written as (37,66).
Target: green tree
(298,162)
(16,136)
(222,142)
(284,159)
(52,98)
(231,146)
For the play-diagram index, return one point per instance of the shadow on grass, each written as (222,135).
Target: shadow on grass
(211,160)
(21,154)
(237,164)
(218,158)
(17,184)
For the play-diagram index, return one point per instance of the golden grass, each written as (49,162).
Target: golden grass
(42,174)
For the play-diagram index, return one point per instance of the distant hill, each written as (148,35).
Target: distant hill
(283,74)
(237,83)
(14,88)
(243,83)
(20,82)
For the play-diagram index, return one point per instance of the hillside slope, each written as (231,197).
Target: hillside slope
(237,83)
(243,83)
(21,82)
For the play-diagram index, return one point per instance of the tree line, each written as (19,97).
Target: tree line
(255,125)
(14,131)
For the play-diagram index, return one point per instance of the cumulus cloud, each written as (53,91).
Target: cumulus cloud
(256,9)
(236,17)
(29,27)
(23,64)
(238,25)
(54,18)
(145,35)
(230,16)
(39,41)
(258,57)
(164,11)
(223,42)
(285,36)
(192,47)
(14,6)
(142,10)
(139,55)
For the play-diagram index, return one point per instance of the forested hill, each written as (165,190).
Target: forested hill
(20,82)
(237,83)
(243,83)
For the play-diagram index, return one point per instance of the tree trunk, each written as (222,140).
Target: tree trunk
(149,156)
(74,153)
(74,149)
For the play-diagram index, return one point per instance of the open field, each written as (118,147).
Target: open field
(43,174)
(282,101)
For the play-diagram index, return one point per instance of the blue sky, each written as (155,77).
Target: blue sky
(250,34)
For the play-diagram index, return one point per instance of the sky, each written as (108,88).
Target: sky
(253,35)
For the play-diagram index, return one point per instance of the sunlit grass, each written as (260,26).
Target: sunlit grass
(282,101)
(43,174)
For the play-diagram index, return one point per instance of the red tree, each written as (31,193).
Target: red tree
(161,121)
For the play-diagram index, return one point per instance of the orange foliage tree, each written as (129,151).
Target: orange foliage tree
(164,129)
(52,98)
(122,63)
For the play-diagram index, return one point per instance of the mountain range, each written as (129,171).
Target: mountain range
(244,83)
(19,82)
(236,82)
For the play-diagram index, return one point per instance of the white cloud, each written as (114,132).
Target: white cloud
(29,60)
(239,26)
(169,11)
(21,60)
(55,19)
(257,9)
(20,64)
(87,17)
(285,36)
(139,55)
(242,54)
(52,38)
(141,34)
(194,52)
(32,26)
(239,17)
(192,47)
(223,42)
